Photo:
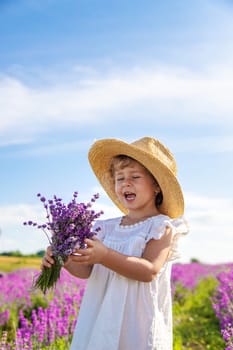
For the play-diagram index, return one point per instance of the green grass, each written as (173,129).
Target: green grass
(195,324)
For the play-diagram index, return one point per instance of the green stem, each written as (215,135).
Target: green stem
(48,277)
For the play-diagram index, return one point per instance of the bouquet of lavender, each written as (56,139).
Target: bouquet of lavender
(68,225)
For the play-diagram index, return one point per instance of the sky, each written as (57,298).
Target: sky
(72,72)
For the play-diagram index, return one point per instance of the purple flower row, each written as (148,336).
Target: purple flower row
(41,320)
(223,305)
(190,274)
(36,324)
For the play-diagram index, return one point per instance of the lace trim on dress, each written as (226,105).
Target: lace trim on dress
(136,224)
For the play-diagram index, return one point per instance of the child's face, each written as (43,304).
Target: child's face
(135,187)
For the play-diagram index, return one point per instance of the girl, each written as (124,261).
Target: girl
(127,304)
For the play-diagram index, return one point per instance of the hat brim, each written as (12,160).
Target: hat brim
(100,156)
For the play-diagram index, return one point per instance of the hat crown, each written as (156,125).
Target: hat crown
(158,150)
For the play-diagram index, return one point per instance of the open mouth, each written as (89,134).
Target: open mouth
(129,196)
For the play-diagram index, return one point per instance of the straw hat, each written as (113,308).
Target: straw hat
(153,155)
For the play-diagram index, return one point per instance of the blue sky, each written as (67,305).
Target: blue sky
(75,71)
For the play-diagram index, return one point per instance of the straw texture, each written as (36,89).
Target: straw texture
(153,155)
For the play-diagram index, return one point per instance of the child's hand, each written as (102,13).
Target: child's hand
(47,260)
(94,253)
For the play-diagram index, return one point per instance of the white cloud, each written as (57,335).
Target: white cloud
(206,144)
(19,213)
(16,236)
(202,97)
(211,234)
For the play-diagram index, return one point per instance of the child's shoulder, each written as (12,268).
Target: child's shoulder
(159,219)
(179,224)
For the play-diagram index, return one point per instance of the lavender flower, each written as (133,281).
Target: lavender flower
(66,227)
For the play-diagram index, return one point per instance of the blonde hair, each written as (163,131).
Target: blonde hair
(120,162)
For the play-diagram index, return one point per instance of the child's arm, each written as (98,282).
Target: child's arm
(78,270)
(142,269)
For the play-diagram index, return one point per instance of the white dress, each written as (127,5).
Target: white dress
(118,313)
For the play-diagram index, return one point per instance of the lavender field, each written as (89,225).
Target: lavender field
(202,296)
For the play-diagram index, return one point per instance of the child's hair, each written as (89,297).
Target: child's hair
(121,161)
